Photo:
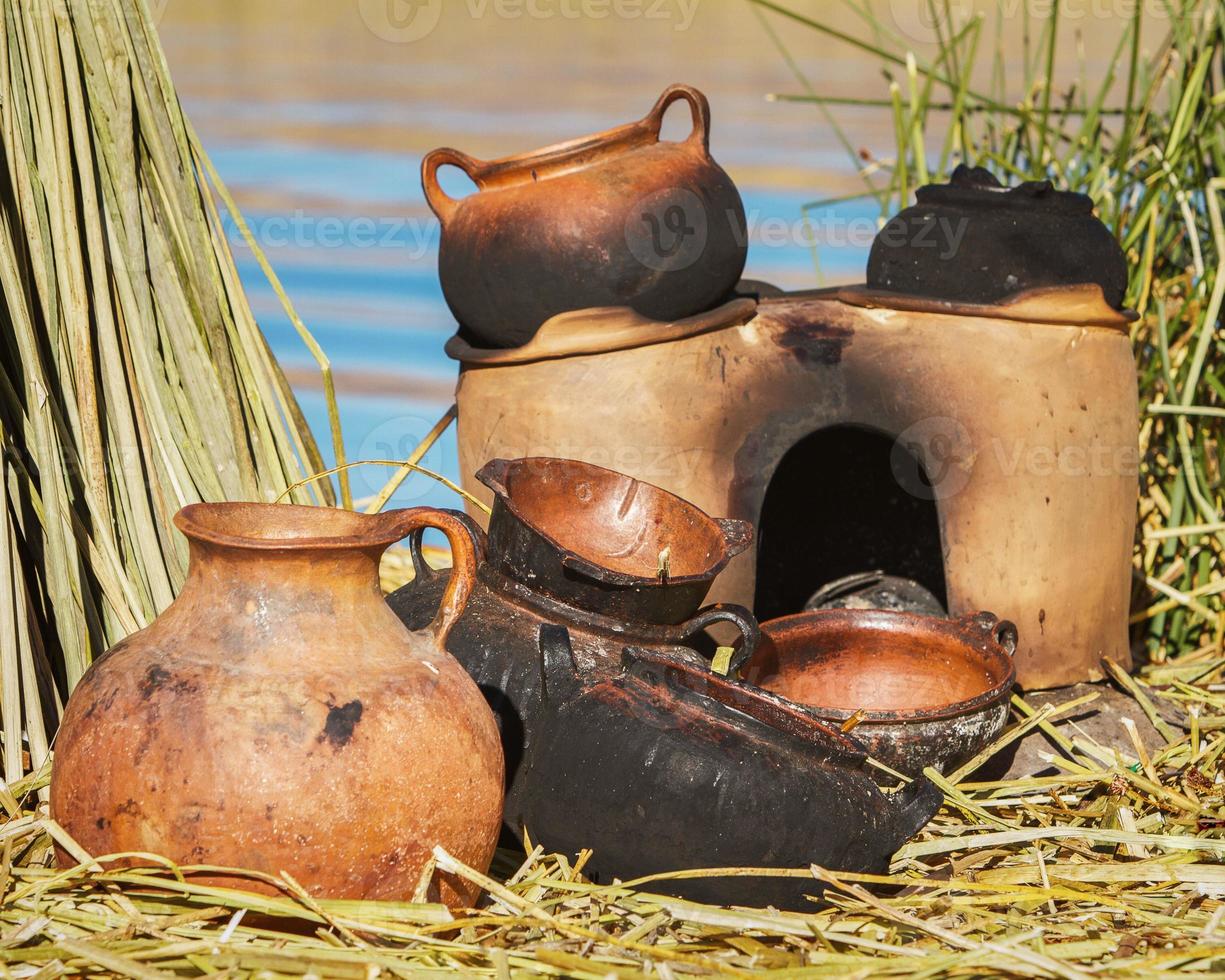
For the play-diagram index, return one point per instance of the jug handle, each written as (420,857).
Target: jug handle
(440,202)
(423,572)
(726,612)
(1001,631)
(467,544)
(698,105)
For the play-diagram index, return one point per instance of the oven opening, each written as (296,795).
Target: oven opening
(844,500)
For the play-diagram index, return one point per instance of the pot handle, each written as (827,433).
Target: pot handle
(698,105)
(1001,631)
(559,674)
(467,546)
(422,570)
(440,202)
(726,612)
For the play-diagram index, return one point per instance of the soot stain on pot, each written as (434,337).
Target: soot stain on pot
(154,678)
(157,679)
(811,342)
(341,721)
(105,702)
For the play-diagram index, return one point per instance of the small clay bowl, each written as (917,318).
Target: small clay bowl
(924,691)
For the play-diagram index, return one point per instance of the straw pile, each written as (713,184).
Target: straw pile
(1111,867)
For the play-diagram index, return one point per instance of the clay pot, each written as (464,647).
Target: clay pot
(604,542)
(278,717)
(661,765)
(577,546)
(614,219)
(973,240)
(924,691)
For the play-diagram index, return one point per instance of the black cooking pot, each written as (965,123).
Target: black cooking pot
(604,542)
(662,765)
(577,546)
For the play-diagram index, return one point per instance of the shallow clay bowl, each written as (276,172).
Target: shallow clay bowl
(594,538)
(923,691)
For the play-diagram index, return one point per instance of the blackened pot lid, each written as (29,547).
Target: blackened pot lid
(973,240)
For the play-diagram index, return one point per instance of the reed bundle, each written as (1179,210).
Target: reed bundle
(133,376)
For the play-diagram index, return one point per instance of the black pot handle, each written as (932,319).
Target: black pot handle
(423,572)
(559,674)
(726,612)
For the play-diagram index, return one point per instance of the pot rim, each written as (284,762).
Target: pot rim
(591,149)
(964,629)
(1069,305)
(583,151)
(734,535)
(206,522)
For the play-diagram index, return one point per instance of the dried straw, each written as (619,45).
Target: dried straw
(1095,870)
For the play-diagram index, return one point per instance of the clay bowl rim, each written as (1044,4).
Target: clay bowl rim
(965,629)
(734,535)
(199,522)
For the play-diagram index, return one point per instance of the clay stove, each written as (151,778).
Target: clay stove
(986,450)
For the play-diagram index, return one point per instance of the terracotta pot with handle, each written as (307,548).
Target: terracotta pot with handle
(278,717)
(619,218)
